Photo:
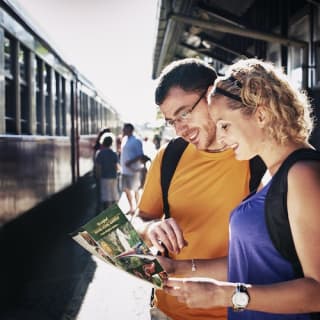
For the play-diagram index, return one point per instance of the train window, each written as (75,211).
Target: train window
(99,115)
(10,103)
(10,113)
(48,95)
(104,117)
(97,108)
(39,71)
(8,54)
(93,115)
(88,120)
(22,64)
(24,85)
(57,102)
(81,112)
(60,106)
(96,128)
(63,107)
(84,112)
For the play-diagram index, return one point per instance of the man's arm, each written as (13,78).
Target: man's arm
(131,161)
(213,268)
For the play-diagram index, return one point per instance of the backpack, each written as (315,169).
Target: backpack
(276,208)
(276,212)
(171,157)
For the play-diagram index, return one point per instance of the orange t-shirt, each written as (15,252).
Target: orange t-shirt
(203,191)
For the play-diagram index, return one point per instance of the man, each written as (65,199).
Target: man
(207,184)
(130,161)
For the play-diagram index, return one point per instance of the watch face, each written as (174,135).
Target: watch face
(240,299)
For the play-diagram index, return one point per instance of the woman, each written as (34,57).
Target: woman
(258,112)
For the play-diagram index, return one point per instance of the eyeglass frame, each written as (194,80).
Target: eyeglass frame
(184,114)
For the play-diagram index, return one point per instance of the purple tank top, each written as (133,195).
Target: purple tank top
(252,257)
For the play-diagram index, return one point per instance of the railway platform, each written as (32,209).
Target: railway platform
(46,275)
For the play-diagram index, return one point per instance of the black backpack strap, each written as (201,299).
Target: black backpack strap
(276,212)
(257,170)
(171,157)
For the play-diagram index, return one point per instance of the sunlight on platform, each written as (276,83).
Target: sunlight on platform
(114,294)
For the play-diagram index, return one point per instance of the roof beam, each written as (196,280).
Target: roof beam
(204,53)
(244,32)
(213,43)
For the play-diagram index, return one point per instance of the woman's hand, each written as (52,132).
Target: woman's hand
(200,292)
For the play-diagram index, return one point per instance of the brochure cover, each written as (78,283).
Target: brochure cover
(111,237)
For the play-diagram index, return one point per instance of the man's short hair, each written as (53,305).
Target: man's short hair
(128,126)
(189,74)
(107,141)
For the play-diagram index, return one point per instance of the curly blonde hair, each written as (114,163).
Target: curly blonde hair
(260,83)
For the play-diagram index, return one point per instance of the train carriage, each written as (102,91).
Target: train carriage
(49,116)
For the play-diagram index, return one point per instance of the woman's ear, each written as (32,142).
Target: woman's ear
(209,89)
(261,116)
(208,94)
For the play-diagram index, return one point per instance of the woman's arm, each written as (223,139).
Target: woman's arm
(296,296)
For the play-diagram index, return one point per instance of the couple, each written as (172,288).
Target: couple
(253,111)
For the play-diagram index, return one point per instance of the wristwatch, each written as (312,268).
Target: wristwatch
(240,298)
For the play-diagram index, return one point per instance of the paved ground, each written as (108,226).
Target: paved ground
(114,294)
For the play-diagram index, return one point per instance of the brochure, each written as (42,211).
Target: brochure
(111,237)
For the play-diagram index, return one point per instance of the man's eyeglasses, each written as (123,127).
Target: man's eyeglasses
(184,115)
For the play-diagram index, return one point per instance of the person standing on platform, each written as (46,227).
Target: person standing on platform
(131,165)
(99,139)
(118,151)
(106,168)
(207,184)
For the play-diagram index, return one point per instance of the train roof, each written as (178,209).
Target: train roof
(219,31)
(17,12)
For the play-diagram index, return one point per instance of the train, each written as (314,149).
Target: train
(50,114)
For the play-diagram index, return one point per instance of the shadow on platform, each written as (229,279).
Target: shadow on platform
(44,273)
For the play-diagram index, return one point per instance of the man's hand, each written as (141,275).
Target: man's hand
(168,264)
(166,234)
